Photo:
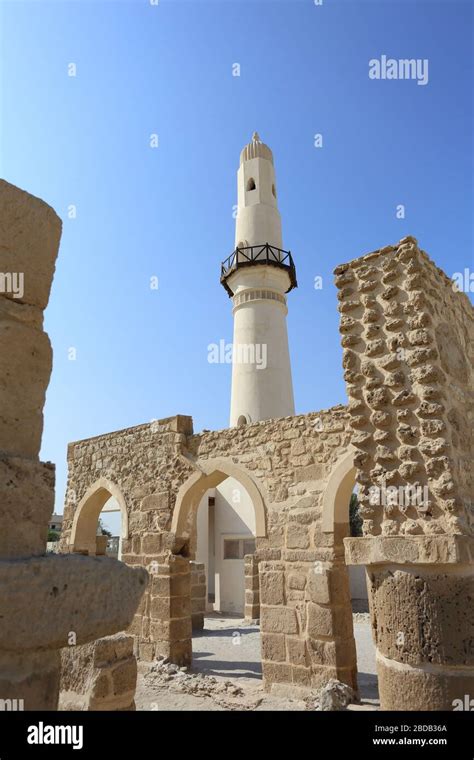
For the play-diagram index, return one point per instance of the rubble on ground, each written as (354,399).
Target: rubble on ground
(165,674)
(333,697)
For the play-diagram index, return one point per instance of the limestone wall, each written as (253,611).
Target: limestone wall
(45,600)
(407,358)
(288,458)
(408,362)
(99,676)
(306,618)
(29,236)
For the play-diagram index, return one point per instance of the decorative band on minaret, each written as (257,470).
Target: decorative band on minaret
(257,275)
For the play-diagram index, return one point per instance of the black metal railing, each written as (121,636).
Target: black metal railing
(258,254)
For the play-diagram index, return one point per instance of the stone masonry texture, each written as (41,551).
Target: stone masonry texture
(407,342)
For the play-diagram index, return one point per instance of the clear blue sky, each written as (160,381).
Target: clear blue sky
(167,212)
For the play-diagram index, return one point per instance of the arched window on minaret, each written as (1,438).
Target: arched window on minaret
(251,184)
(274,191)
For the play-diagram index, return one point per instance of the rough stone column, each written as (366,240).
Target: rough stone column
(252,591)
(40,596)
(421,591)
(30,235)
(198,595)
(170,612)
(408,339)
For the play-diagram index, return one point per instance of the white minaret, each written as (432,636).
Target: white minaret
(257,276)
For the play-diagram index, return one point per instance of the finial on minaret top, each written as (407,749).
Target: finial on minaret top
(256,149)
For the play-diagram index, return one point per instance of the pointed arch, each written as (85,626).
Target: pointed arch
(211,473)
(338,492)
(86,516)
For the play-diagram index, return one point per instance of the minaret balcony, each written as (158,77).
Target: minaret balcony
(258,255)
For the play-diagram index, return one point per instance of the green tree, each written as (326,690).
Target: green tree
(102,531)
(53,535)
(355,520)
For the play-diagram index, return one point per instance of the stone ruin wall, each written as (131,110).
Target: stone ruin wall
(408,340)
(30,232)
(407,358)
(44,598)
(303,589)
(99,676)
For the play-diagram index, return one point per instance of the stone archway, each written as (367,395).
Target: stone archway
(338,493)
(335,519)
(172,592)
(83,538)
(211,473)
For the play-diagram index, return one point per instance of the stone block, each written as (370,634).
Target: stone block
(165,585)
(274,672)
(179,652)
(416,689)
(36,679)
(171,630)
(23,387)
(31,231)
(301,675)
(310,472)
(99,676)
(147,651)
(318,588)
(251,582)
(112,648)
(278,620)
(272,588)
(273,647)
(296,651)
(297,581)
(27,501)
(156,501)
(320,621)
(171,607)
(252,597)
(151,543)
(56,582)
(297,536)
(124,677)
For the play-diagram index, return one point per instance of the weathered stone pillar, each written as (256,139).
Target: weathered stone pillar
(306,626)
(46,602)
(170,612)
(421,592)
(252,590)
(198,595)
(408,338)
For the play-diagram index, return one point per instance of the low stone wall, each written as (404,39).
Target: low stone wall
(99,676)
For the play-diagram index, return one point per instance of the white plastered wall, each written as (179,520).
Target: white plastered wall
(234,517)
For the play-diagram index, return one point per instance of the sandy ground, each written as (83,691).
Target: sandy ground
(226,672)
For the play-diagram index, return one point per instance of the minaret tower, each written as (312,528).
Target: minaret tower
(257,275)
